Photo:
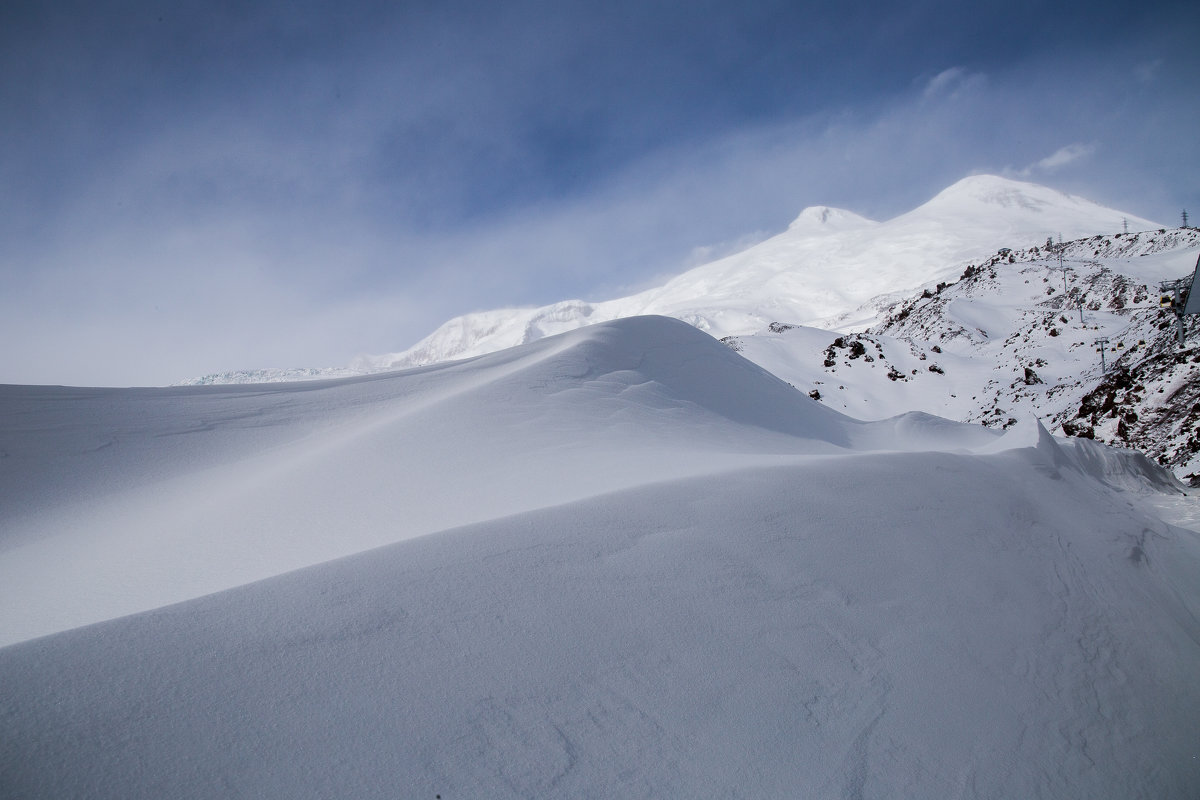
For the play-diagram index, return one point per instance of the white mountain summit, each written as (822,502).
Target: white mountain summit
(827,263)
(823,219)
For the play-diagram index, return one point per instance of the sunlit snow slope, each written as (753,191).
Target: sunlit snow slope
(827,263)
(1002,340)
(619,562)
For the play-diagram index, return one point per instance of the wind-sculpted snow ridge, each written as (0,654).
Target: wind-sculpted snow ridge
(978,618)
(117,501)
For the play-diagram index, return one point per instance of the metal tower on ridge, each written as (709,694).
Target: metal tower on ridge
(1182,300)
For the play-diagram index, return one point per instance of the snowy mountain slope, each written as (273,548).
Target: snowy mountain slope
(1002,341)
(117,501)
(828,262)
(650,568)
(197,482)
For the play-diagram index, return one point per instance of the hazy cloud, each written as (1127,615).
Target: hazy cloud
(1066,155)
(952,83)
(205,188)
(1059,158)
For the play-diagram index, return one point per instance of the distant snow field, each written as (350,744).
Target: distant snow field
(603,554)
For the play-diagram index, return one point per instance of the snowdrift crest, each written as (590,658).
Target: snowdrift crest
(214,487)
(1117,468)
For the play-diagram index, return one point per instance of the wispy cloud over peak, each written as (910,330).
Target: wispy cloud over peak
(951,83)
(1059,159)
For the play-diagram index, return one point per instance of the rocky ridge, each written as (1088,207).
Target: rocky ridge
(1013,336)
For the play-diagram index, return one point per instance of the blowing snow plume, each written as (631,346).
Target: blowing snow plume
(618,562)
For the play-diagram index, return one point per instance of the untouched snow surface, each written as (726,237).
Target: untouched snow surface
(619,562)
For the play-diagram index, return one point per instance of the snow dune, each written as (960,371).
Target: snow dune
(619,562)
(118,501)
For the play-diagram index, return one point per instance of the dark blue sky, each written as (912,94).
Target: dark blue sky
(192,187)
